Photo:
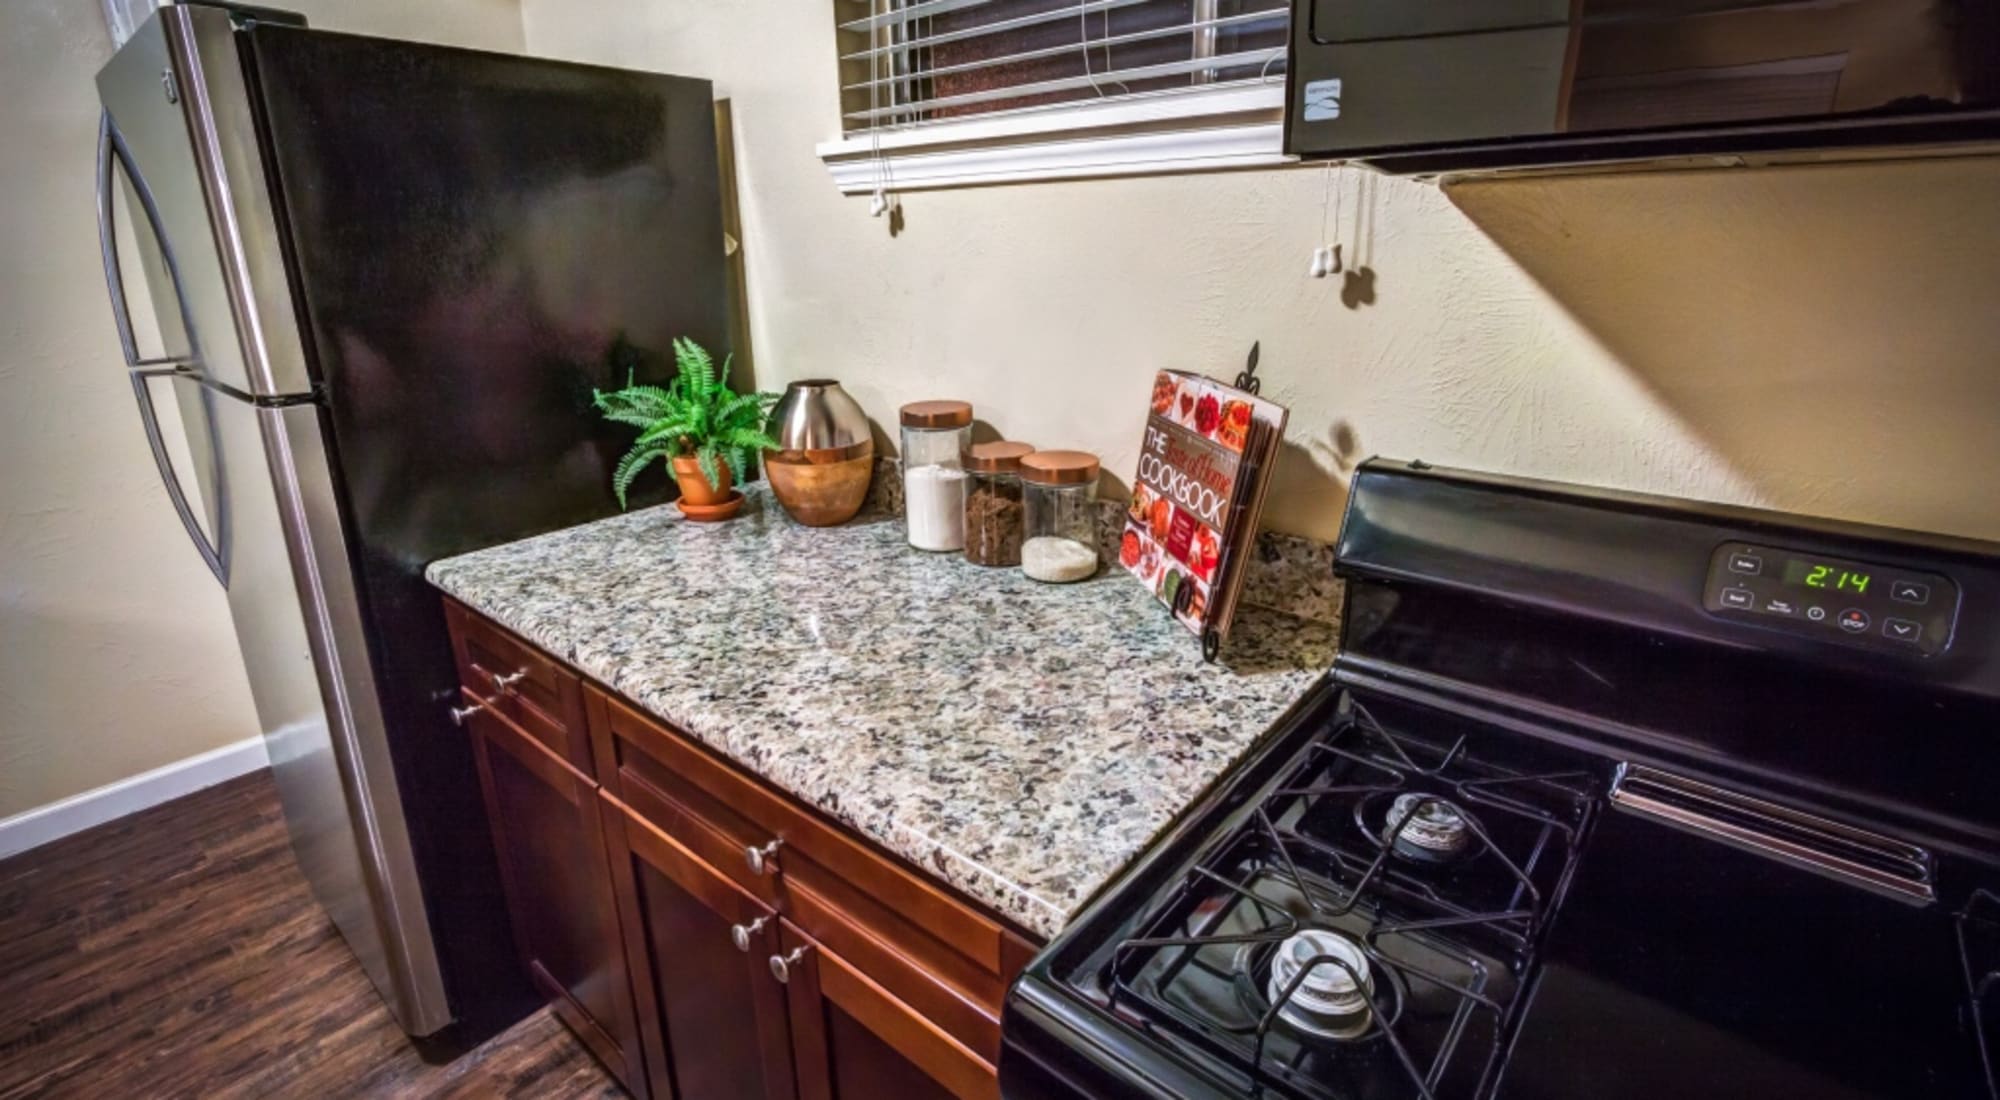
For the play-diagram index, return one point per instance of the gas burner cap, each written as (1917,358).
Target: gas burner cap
(1437,831)
(1334,1000)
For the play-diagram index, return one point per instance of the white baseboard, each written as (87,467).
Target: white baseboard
(36,827)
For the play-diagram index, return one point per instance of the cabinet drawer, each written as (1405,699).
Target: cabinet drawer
(529,687)
(682,791)
(940,954)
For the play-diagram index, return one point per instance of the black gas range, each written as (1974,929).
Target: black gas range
(1605,795)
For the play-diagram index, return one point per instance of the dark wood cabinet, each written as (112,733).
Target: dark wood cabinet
(705,948)
(945,958)
(852,1040)
(529,688)
(554,867)
(709,936)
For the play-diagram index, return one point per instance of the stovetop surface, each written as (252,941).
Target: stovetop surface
(1657,838)
(1564,950)
(1440,866)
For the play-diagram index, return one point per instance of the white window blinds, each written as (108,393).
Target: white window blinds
(905,63)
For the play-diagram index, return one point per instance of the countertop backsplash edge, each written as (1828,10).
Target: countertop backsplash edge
(1289,574)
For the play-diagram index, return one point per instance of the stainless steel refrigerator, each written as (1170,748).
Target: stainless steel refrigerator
(384,279)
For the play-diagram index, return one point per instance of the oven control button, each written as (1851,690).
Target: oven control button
(1777,606)
(1816,613)
(1738,597)
(1910,592)
(1902,630)
(1748,564)
(1853,620)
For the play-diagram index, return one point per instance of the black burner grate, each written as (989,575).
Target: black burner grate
(1448,927)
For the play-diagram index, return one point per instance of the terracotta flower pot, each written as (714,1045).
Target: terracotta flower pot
(695,489)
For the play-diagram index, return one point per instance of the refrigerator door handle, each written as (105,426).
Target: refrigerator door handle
(214,553)
(111,155)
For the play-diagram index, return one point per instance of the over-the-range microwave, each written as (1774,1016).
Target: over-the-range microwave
(1435,87)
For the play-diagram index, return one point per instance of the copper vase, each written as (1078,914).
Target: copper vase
(826,454)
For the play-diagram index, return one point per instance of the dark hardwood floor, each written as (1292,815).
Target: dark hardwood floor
(178,952)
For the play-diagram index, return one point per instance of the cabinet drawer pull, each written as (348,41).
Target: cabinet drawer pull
(781,965)
(740,934)
(763,861)
(460,714)
(504,683)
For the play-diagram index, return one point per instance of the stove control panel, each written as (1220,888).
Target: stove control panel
(1880,607)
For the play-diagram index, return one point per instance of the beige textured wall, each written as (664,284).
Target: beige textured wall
(1816,339)
(118,651)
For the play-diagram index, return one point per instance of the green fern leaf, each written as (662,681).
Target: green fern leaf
(710,468)
(697,366)
(670,428)
(739,463)
(747,410)
(749,439)
(628,468)
(625,416)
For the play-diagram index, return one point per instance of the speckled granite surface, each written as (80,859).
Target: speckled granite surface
(1021,741)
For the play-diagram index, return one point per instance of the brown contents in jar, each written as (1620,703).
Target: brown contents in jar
(993,521)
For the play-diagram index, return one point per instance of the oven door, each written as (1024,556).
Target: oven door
(1683,966)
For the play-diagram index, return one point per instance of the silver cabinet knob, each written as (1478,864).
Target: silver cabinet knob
(781,965)
(763,861)
(460,714)
(503,682)
(739,934)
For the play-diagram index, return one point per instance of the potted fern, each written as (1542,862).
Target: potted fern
(707,432)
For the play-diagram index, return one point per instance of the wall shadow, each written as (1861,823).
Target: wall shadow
(1313,476)
(743,365)
(1830,330)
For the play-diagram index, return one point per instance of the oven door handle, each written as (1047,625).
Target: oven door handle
(1840,852)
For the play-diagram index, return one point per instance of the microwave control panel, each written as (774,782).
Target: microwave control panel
(1880,607)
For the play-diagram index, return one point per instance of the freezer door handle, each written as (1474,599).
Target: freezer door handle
(112,154)
(214,553)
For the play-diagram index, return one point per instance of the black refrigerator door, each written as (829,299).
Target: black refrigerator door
(477,240)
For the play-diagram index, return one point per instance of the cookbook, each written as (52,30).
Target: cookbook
(1204,466)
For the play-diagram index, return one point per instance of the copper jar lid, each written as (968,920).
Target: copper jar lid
(937,414)
(1059,467)
(996,458)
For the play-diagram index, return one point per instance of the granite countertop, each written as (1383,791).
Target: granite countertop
(1020,741)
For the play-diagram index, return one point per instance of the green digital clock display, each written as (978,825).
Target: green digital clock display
(1802,573)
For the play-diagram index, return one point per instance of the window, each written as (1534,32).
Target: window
(938,92)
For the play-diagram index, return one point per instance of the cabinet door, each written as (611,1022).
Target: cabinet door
(852,1040)
(556,873)
(707,944)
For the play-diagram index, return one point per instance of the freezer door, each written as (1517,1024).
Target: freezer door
(177,115)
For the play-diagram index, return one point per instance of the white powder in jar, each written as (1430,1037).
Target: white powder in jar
(1057,560)
(934,507)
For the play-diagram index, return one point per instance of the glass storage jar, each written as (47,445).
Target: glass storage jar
(935,434)
(1059,499)
(993,519)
